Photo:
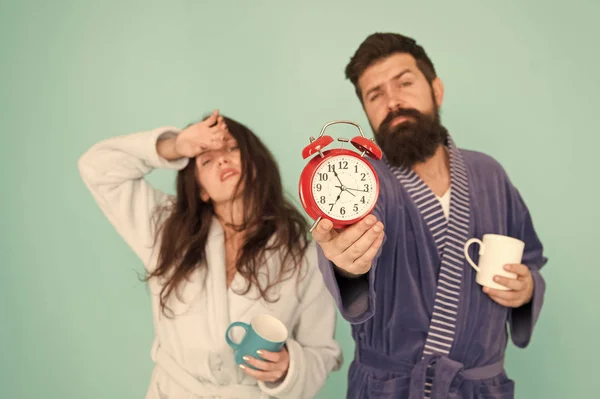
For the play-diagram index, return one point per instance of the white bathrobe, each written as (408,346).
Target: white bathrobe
(192,357)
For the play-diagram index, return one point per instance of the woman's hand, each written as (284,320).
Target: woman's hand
(194,139)
(272,369)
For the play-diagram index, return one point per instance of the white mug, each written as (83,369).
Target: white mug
(495,251)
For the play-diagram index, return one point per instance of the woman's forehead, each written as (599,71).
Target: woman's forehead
(216,145)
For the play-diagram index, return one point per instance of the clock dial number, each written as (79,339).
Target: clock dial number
(323,176)
(344,187)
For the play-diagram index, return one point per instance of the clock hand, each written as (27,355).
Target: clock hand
(337,177)
(338,197)
(354,189)
(346,190)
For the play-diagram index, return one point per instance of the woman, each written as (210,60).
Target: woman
(227,247)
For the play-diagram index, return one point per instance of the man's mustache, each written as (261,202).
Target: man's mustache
(400,112)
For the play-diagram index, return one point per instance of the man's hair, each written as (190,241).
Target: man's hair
(378,46)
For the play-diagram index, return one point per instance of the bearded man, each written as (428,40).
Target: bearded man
(422,325)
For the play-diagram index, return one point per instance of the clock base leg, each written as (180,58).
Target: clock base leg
(315,224)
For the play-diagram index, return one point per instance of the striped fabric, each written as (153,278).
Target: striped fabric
(449,237)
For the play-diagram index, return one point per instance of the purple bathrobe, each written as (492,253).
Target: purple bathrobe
(421,324)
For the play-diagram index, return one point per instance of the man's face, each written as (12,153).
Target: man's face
(396,82)
(402,108)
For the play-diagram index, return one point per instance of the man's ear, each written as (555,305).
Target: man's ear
(438,91)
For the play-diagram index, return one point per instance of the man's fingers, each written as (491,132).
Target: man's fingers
(353,233)
(518,269)
(360,246)
(506,295)
(323,233)
(344,247)
(363,263)
(370,253)
(516,285)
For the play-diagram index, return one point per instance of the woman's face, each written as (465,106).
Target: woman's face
(218,171)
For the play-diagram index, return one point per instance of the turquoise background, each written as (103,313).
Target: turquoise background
(521,83)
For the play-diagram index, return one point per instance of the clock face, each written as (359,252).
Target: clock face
(344,187)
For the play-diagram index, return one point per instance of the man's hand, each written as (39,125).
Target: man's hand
(521,289)
(353,248)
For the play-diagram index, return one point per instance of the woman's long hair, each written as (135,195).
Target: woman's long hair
(266,213)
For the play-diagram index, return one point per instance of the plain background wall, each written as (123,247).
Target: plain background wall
(75,322)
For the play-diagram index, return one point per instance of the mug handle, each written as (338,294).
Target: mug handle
(466,249)
(235,345)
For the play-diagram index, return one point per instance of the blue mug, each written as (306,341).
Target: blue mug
(264,332)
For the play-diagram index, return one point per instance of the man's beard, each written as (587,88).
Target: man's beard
(412,141)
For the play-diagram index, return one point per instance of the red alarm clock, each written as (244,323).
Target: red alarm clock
(339,184)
